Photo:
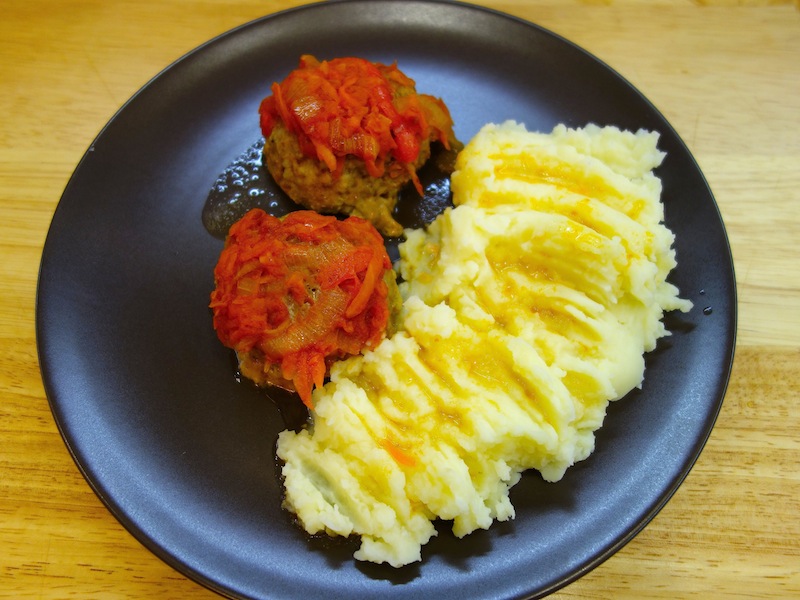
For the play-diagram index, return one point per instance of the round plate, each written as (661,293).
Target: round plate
(184,455)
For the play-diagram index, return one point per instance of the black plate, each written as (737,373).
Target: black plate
(183,455)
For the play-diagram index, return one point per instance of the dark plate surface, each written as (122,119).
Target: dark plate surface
(183,455)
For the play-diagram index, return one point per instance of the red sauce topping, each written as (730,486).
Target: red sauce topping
(353,107)
(302,290)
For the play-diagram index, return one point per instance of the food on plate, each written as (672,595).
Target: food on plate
(344,135)
(294,294)
(527,309)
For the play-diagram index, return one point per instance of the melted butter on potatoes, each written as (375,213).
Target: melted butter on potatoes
(527,308)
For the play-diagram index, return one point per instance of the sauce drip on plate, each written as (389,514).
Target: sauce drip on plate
(245,184)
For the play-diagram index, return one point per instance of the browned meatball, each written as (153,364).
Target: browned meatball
(311,184)
(344,136)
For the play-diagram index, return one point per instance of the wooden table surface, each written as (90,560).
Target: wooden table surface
(725,73)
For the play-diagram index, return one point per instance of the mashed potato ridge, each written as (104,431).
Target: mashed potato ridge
(527,308)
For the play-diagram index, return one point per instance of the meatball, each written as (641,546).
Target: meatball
(292,295)
(344,136)
(310,183)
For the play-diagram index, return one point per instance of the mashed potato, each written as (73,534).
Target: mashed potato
(527,308)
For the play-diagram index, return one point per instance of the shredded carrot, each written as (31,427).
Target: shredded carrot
(401,456)
(303,291)
(351,107)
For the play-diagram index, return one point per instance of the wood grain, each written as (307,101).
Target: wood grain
(726,74)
